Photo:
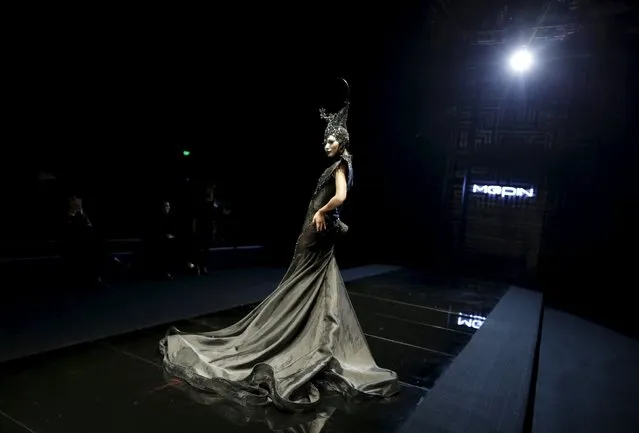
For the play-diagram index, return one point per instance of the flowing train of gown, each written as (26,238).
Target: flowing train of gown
(302,340)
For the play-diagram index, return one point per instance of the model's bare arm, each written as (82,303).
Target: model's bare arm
(340,190)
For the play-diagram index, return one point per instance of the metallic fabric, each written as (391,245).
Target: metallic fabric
(301,345)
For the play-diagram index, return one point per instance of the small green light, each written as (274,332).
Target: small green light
(186,152)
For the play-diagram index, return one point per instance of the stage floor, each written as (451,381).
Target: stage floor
(415,325)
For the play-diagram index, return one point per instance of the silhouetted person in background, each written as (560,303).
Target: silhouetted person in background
(225,225)
(82,251)
(160,243)
(51,206)
(205,227)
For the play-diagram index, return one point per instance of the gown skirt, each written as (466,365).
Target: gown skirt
(301,342)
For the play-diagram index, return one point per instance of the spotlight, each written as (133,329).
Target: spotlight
(521,60)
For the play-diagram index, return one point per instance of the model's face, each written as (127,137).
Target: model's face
(331,147)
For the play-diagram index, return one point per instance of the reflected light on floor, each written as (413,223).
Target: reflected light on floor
(470,320)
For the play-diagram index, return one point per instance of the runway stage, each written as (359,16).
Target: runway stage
(415,324)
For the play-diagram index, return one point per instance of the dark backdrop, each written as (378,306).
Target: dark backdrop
(109,100)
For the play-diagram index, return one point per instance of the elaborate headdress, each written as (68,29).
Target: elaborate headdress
(336,123)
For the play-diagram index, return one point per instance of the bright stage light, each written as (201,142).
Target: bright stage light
(521,60)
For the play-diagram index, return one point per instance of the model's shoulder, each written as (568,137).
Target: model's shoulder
(345,163)
(345,160)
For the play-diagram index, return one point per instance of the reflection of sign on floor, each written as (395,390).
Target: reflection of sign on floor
(470,321)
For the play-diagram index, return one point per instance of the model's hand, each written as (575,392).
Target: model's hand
(319,221)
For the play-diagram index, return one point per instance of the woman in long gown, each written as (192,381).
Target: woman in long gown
(304,339)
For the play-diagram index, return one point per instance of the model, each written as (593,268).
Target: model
(304,340)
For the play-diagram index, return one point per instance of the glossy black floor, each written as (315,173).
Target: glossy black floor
(415,325)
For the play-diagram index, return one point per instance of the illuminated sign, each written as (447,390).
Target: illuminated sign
(470,321)
(503,191)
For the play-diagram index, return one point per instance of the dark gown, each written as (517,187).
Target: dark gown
(301,342)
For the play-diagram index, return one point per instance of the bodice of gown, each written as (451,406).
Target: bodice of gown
(325,189)
(309,239)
